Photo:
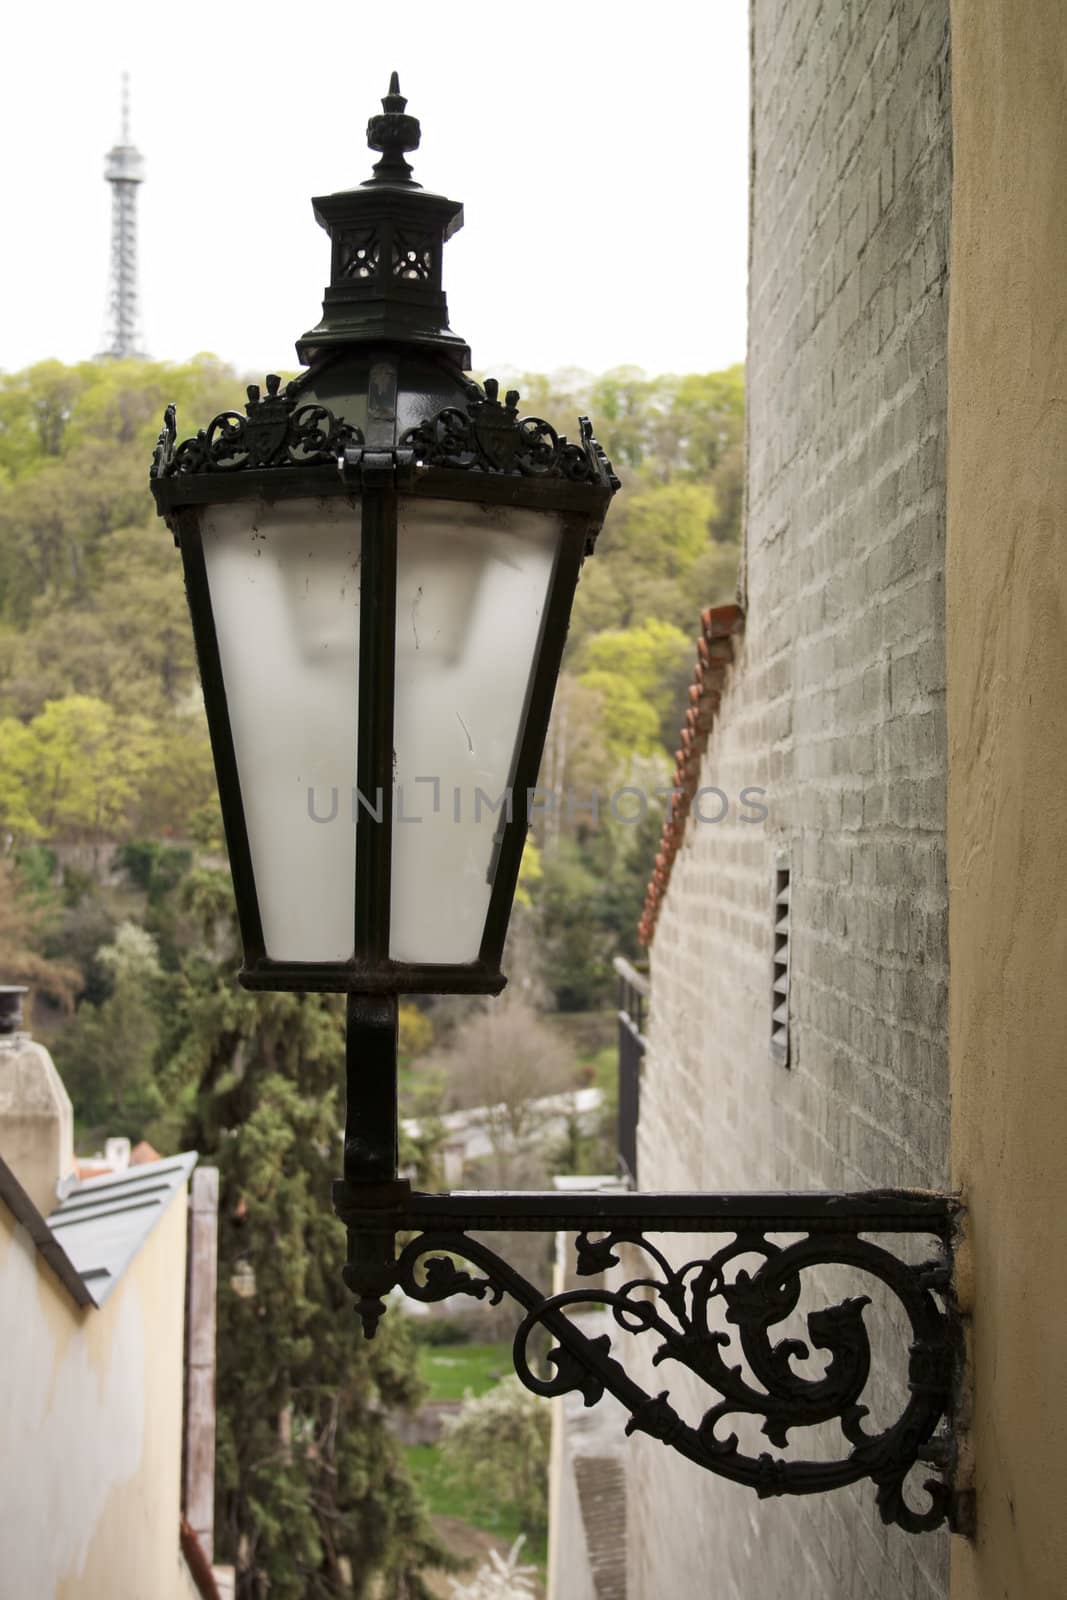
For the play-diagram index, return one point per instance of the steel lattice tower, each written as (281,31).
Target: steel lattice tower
(124,172)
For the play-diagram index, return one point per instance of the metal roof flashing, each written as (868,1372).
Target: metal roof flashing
(101,1223)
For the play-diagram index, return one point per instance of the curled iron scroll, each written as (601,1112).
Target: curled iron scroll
(673,1306)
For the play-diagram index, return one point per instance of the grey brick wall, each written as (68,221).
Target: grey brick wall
(835,705)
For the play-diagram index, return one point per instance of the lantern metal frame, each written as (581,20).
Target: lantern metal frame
(385,410)
(574,481)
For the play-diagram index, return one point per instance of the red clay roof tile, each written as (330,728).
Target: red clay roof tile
(715,651)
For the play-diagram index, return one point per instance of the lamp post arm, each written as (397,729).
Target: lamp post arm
(730,1316)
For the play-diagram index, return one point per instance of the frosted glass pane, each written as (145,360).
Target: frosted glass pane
(284,583)
(472,583)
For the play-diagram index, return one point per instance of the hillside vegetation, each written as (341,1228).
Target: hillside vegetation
(116,906)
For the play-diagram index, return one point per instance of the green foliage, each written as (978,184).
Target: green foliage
(666,526)
(101,730)
(531,873)
(439,1328)
(415,1030)
(445,1493)
(580,939)
(77,771)
(627,721)
(498,1445)
(592,886)
(651,666)
(669,549)
(106,1056)
(102,739)
(35,408)
(456,1369)
(670,546)
(28,915)
(310,1480)
(103,743)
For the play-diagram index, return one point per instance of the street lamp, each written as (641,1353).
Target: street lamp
(380,559)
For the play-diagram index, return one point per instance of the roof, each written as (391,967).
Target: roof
(23,1210)
(96,1166)
(102,1222)
(715,653)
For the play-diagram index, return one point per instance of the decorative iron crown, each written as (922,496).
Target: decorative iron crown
(277,432)
(490,437)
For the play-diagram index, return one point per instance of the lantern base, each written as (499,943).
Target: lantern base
(387,978)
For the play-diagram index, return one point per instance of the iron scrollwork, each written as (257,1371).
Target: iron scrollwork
(276,431)
(484,435)
(490,436)
(715,1316)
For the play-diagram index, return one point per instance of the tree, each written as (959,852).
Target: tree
(107,1056)
(629,722)
(499,1443)
(592,896)
(74,443)
(25,920)
(18,766)
(35,407)
(102,737)
(76,771)
(664,528)
(643,674)
(505,1059)
(313,1495)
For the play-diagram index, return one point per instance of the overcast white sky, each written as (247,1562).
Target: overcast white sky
(600,150)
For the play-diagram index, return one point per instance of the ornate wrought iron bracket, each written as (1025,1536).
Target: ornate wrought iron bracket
(713,1315)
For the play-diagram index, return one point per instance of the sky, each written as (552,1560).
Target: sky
(600,151)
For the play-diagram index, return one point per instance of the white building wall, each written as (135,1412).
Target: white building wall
(91,1426)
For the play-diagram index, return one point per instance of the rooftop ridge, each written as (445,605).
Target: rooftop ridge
(715,654)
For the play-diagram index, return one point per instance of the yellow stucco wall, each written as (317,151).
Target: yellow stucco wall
(1007,808)
(91,1420)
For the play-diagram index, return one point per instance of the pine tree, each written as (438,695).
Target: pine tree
(313,1496)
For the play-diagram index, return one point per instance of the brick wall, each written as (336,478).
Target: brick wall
(835,707)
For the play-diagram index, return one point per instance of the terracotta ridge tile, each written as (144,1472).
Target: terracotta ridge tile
(719,626)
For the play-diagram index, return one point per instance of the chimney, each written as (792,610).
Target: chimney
(36,1119)
(117,1154)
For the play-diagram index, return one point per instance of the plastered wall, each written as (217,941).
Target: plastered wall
(90,1416)
(1007,797)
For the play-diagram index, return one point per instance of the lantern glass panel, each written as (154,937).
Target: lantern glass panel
(284,584)
(472,586)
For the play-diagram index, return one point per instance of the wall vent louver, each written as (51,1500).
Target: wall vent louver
(780,963)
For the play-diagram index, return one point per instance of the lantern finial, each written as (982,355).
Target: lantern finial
(393,133)
(388,242)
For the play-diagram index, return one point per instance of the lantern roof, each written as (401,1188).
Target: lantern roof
(385,386)
(387,240)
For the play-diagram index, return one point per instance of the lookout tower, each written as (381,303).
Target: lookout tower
(124,172)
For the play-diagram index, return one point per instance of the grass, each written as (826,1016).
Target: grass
(449,1370)
(446,1495)
(605,1070)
